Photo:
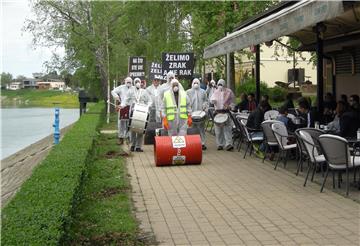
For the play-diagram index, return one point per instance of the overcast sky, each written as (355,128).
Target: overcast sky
(18,56)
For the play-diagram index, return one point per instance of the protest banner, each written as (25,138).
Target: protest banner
(155,71)
(181,64)
(136,67)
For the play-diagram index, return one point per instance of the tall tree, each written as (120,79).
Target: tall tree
(5,78)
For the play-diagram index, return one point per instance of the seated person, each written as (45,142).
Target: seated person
(289,101)
(308,115)
(265,98)
(334,126)
(343,98)
(283,112)
(243,104)
(329,107)
(349,123)
(255,119)
(354,104)
(251,102)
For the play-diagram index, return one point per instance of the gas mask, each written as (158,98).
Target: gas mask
(138,85)
(176,88)
(196,86)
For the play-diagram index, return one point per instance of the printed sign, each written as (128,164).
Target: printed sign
(182,64)
(178,159)
(178,142)
(156,71)
(137,66)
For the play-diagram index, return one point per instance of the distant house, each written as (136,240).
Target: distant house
(38,75)
(29,83)
(51,85)
(15,86)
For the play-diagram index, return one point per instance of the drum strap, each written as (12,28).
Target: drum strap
(138,95)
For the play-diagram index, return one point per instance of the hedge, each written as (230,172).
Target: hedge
(41,210)
(276,94)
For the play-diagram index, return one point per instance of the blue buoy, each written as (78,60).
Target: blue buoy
(56,125)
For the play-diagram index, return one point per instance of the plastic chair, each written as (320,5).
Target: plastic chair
(271,115)
(338,158)
(269,137)
(248,136)
(281,135)
(312,151)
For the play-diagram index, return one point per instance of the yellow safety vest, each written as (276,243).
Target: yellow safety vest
(171,108)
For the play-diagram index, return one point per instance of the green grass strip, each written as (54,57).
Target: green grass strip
(39,98)
(104,216)
(41,209)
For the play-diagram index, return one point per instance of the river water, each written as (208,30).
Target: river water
(21,127)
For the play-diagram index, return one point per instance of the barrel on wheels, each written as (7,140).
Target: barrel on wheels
(177,150)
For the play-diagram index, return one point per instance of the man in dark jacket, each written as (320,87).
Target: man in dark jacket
(256,118)
(243,104)
(350,120)
(309,116)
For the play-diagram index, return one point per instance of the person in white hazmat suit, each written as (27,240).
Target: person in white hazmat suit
(166,86)
(137,95)
(210,89)
(119,94)
(153,91)
(176,110)
(198,102)
(223,100)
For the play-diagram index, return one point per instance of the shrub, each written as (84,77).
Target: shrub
(249,86)
(43,207)
(277,94)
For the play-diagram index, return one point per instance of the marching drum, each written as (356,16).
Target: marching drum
(198,116)
(221,119)
(124,113)
(139,118)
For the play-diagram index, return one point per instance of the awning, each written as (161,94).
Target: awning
(285,22)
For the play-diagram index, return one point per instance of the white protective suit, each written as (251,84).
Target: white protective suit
(223,99)
(166,86)
(198,101)
(211,89)
(153,91)
(137,95)
(178,126)
(120,93)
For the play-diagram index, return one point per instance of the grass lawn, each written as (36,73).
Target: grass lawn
(105,213)
(38,98)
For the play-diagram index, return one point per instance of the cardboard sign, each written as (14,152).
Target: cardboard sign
(182,64)
(137,66)
(178,142)
(156,71)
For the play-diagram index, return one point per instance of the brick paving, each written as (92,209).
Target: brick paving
(228,200)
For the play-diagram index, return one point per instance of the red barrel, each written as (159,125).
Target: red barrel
(188,153)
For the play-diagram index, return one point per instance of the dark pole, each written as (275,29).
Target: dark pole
(257,72)
(320,79)
(333,78)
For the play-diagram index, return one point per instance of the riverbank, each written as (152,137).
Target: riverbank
(16,168)
(38,98)
(24,126)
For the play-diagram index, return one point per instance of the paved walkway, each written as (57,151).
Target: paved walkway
(228,200)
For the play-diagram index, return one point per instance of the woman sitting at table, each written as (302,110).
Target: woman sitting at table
(334,126)
(283,112)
